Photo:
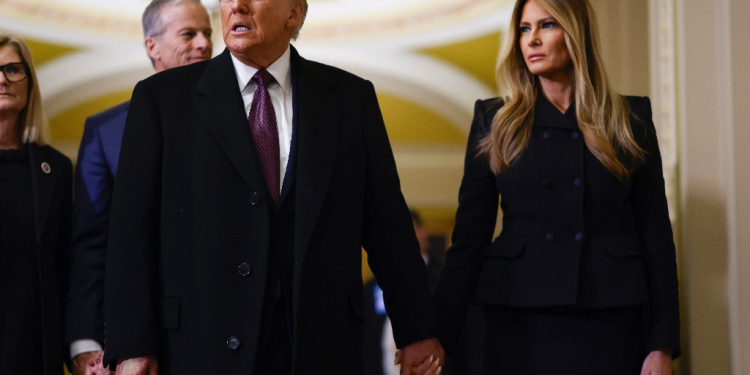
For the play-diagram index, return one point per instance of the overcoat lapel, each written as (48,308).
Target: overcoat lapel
(221,109)
(43,182)
(318,110)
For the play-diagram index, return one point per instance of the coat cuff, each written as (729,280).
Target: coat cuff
(83,346)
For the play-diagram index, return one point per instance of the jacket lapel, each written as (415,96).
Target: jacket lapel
(317,113)
(43,182)
(221,109)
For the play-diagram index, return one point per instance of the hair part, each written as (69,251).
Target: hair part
(603,115)
(32,126)
(153,25)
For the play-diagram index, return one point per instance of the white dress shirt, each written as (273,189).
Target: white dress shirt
(281,98)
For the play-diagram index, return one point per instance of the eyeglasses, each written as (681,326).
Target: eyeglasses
(15,72)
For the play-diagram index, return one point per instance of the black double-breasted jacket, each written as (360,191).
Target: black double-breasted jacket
(573,235)
(192,224)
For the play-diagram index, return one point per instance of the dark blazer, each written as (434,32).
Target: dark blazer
(94,182)
(190,206)
(52,209)
(573,235)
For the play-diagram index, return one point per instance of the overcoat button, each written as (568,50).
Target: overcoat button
(550,237)
(255,199)
(244,269)
(575,135)
(547,184)
(579,236)
(547,135)
(233,343)
(577,182)
(46,168)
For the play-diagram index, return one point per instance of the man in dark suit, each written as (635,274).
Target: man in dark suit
(246,189)
(176,33)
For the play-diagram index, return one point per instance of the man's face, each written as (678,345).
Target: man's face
(258,31)
(186,37)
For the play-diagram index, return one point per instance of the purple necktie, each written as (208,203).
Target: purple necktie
(265,134)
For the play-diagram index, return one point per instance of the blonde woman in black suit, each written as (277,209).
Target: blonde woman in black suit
(583,277)
(35,213)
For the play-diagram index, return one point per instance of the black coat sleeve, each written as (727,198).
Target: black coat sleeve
(653,228)
(93,192)
(131,274)
(475,224)
(389,239)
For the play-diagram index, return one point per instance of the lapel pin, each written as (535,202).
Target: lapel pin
(46,168)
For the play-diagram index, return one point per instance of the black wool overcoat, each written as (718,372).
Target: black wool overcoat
(190,205)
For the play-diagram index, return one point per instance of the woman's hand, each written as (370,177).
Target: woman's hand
(430,366)
(137,366)
(658,362)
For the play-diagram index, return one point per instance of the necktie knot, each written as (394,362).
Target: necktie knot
(264,78)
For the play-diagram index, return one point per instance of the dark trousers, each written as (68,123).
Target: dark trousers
(546,341)
(275,354)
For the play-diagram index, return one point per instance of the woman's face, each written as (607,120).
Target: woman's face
(13,95)
(542,43)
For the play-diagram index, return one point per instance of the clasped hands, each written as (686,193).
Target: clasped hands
(89,363)
(424,357)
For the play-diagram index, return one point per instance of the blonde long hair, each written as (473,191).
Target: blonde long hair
(603,115)
(32,125)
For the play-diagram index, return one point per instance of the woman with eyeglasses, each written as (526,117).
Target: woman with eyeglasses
(35,214)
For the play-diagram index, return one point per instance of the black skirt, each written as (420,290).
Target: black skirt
(521,341)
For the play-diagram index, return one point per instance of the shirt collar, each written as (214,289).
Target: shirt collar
(280,70)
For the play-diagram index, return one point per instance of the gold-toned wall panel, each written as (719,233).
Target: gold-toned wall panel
(66,128)
(476,56)
(407,121)
(43,52)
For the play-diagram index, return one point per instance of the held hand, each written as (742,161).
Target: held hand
(137,366)
(89,363)
(658,362)
(421,358)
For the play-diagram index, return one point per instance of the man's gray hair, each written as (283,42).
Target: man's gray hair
(153,26)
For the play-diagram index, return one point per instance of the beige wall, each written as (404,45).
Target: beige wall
(714,99)
(623,26)
(699,63)
(739,12)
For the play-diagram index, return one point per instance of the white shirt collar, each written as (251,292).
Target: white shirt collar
(280,70)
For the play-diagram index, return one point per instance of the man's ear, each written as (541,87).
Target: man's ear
(153,52)
(296,16)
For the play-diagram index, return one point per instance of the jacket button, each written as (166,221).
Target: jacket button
(547,184)
(579,236)
(244,269)
(547,135)
(255,199)
(233,343)
(575,135)
(550,237)
(577,182)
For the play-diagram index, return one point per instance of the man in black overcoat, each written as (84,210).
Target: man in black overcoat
(235,252)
